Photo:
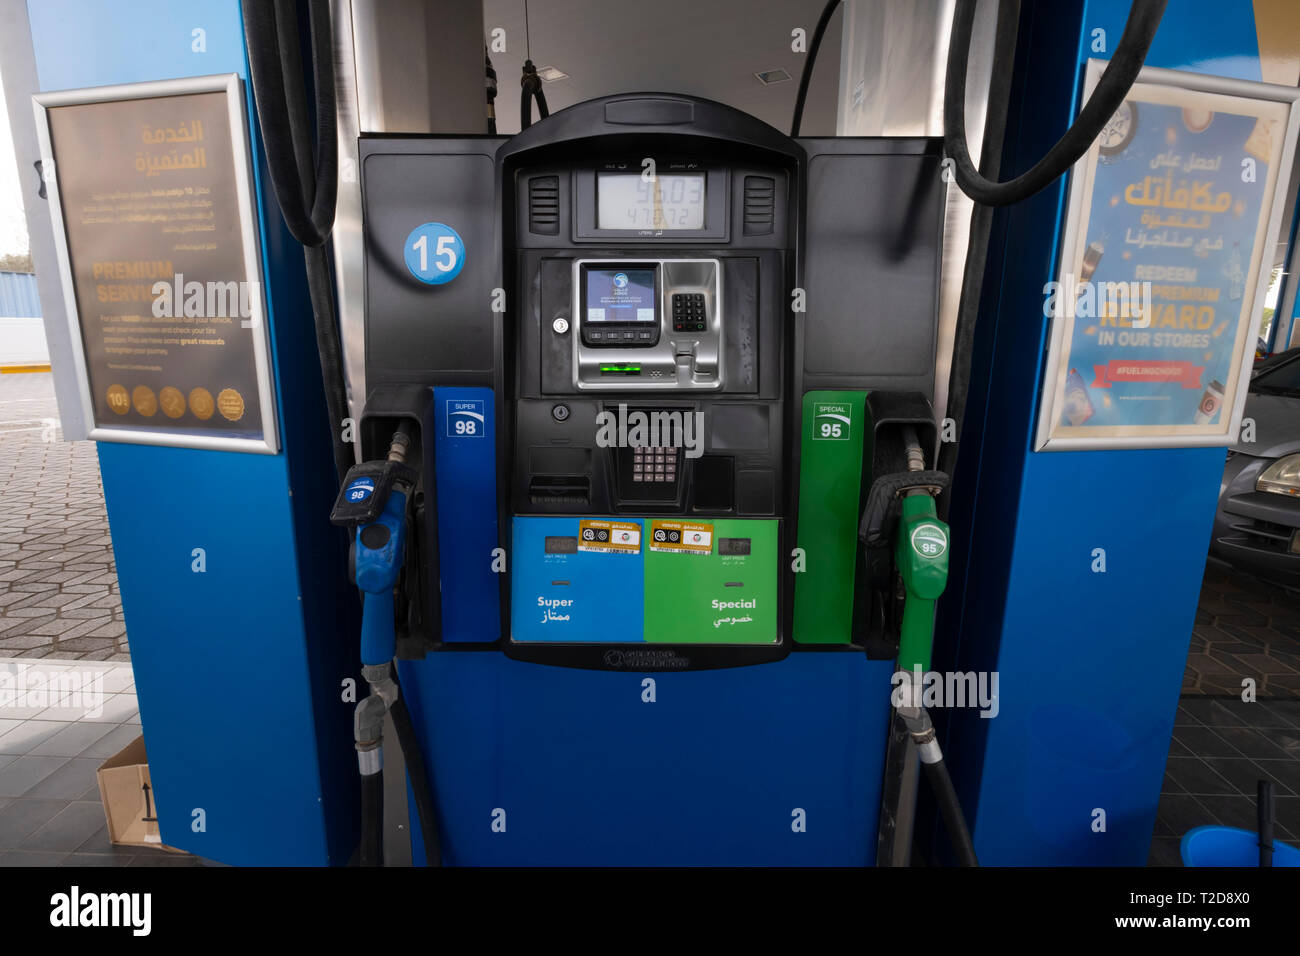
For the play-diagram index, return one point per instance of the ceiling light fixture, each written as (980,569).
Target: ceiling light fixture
(550,74)
(768,77)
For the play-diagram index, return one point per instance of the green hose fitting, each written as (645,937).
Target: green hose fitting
(921,556)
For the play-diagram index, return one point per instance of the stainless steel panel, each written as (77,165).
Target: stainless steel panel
(893,65)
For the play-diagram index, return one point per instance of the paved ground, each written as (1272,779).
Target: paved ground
(1244,628)
(1220,749)
(59,722)
(58,583)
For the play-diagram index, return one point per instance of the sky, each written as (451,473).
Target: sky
(13,228)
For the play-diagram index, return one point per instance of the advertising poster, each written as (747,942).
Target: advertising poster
(1168,246)
(152,202)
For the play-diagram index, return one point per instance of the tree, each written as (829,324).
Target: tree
(16,262)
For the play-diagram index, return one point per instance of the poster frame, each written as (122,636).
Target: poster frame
(249,229)
(1074,242)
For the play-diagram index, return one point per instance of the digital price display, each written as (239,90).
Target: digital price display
(669,201)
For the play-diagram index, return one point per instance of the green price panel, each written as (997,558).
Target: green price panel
(711,581)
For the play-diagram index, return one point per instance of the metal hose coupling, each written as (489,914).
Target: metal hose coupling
(368,719)
(917,719)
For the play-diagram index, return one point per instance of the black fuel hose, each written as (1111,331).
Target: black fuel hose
(372,820)
(275,84)
(305,178)
(950,809)
(805,76)
(1116,81)
(1265,812)
(1006,33)
(424,805)
(530,88)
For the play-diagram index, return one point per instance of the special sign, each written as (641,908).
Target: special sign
(152,201)
(1156,303)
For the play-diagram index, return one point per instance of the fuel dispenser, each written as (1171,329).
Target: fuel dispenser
(670,374)
(651,515)
(633,344)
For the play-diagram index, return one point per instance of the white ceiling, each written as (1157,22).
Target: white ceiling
(709,48)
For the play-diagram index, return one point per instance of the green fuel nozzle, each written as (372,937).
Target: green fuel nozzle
(921,556)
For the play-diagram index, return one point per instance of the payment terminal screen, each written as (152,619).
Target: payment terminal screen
(621,295)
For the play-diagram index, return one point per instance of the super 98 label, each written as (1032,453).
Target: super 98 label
(360,489)
(466,418)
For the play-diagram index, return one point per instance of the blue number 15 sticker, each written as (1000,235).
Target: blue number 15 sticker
(434,253)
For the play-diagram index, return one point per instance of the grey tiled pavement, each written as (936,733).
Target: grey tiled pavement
(59,722)
(58,583)
(1244,628)
(1220,749)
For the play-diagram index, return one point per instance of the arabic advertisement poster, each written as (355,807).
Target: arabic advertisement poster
(1155,304)
(169,316)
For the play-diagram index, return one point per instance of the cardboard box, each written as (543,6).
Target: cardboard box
(127,795)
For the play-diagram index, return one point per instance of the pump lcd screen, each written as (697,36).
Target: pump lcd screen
(620,295)
(669,201)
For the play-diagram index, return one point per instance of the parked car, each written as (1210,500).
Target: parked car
(1257,524)
(1277,358)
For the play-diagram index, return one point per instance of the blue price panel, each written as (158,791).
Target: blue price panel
(434,253)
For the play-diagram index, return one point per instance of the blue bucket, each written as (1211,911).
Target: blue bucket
(1231,846)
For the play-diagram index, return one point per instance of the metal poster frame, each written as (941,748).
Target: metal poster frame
(248,222)
(1163,87)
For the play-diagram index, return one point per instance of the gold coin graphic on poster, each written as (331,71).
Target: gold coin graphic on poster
(231,404)
(201,403)
(144,400)
(172,402)
(118,399)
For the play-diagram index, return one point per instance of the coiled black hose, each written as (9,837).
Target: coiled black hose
(1112,88)
(981,185)
(305,178)
(977,247)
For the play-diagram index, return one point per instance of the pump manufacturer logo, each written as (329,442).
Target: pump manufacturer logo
(130,910)
(634,659)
